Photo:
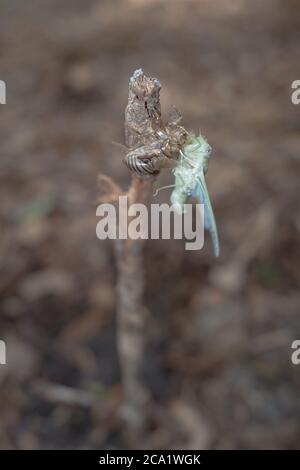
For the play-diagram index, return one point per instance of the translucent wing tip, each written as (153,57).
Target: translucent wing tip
(217,249)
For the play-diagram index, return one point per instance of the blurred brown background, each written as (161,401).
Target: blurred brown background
(218,362)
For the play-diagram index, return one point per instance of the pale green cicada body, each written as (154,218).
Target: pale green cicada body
(190,181)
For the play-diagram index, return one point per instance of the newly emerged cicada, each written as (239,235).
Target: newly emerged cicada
(189,173)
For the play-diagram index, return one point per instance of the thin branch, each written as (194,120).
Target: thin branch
(151,146)
(139,120)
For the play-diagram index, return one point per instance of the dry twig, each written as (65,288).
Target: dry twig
(151,146)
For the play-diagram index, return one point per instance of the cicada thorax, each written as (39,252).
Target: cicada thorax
(159,147)
(172,139)
(177,139)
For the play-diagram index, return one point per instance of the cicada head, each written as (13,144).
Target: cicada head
(198,150)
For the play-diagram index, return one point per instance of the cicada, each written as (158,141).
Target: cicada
(189,173)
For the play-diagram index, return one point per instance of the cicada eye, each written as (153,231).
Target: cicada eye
(207,149)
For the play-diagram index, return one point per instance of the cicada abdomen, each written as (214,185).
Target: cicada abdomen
(141,167)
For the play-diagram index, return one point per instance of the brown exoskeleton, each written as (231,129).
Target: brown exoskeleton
(152,145)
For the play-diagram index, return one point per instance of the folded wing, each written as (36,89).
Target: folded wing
(200,192)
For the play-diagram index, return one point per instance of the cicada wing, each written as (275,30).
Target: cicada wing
(200,191)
